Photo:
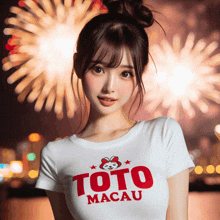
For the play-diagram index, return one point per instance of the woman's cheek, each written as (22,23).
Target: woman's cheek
(126,90)
(90,84)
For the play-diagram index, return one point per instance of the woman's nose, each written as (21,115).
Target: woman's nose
(110,83)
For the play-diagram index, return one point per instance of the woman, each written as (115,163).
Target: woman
(117,168)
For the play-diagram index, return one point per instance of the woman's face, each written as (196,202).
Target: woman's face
(118,83)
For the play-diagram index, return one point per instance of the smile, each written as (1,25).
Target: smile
(106,102)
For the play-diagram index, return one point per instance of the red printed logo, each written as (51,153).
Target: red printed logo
(106,179)
(110,164)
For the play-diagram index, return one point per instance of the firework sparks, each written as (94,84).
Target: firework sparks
(44,38)
(184,76)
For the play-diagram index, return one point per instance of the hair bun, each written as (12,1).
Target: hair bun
(134,8)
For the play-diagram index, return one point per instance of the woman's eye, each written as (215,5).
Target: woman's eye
(128,74)
(97,69)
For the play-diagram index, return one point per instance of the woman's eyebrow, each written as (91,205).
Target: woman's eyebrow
(105,64)
(127,66)
(99,62)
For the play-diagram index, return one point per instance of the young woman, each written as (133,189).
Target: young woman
(116,167)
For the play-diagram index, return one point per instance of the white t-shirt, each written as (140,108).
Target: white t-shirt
(123,179)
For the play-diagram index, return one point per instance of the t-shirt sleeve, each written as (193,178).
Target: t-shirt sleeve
(177,155)
(48,177)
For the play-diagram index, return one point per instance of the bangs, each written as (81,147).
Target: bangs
(108,54)
(105,42)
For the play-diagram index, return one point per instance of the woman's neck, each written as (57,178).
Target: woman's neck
(107,125)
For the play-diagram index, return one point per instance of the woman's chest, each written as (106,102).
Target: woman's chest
(117,177)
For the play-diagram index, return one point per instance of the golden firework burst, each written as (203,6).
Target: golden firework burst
(44,38)
(184,76)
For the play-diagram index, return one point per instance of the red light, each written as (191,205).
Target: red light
(12,52)
(7,47)
(21,3)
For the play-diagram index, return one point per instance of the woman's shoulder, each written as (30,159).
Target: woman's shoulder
(159,120)
(56,145)
(165,120)
(164,123)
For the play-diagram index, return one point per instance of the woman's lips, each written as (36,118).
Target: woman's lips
(107,103)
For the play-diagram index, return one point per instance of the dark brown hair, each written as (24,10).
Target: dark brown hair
(123,27)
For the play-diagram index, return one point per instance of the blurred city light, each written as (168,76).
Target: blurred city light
(31,156)
(198,169)
(33,174)
(16,166)
(5,169)
(210,169)
(34,137)
(3,166)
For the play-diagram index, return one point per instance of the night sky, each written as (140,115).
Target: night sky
(18,120)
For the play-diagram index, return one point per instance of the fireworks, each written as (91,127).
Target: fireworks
(184,76)
(42,47)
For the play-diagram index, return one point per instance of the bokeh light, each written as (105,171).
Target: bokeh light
(198,169)
(34,137)
(210,169)
(31,156)
(33,174)
(217,169)
(16,166)
(5,169)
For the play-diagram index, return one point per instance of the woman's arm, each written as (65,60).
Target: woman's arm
(59,206)
(178,193)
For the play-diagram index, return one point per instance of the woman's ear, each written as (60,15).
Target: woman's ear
(75,68)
